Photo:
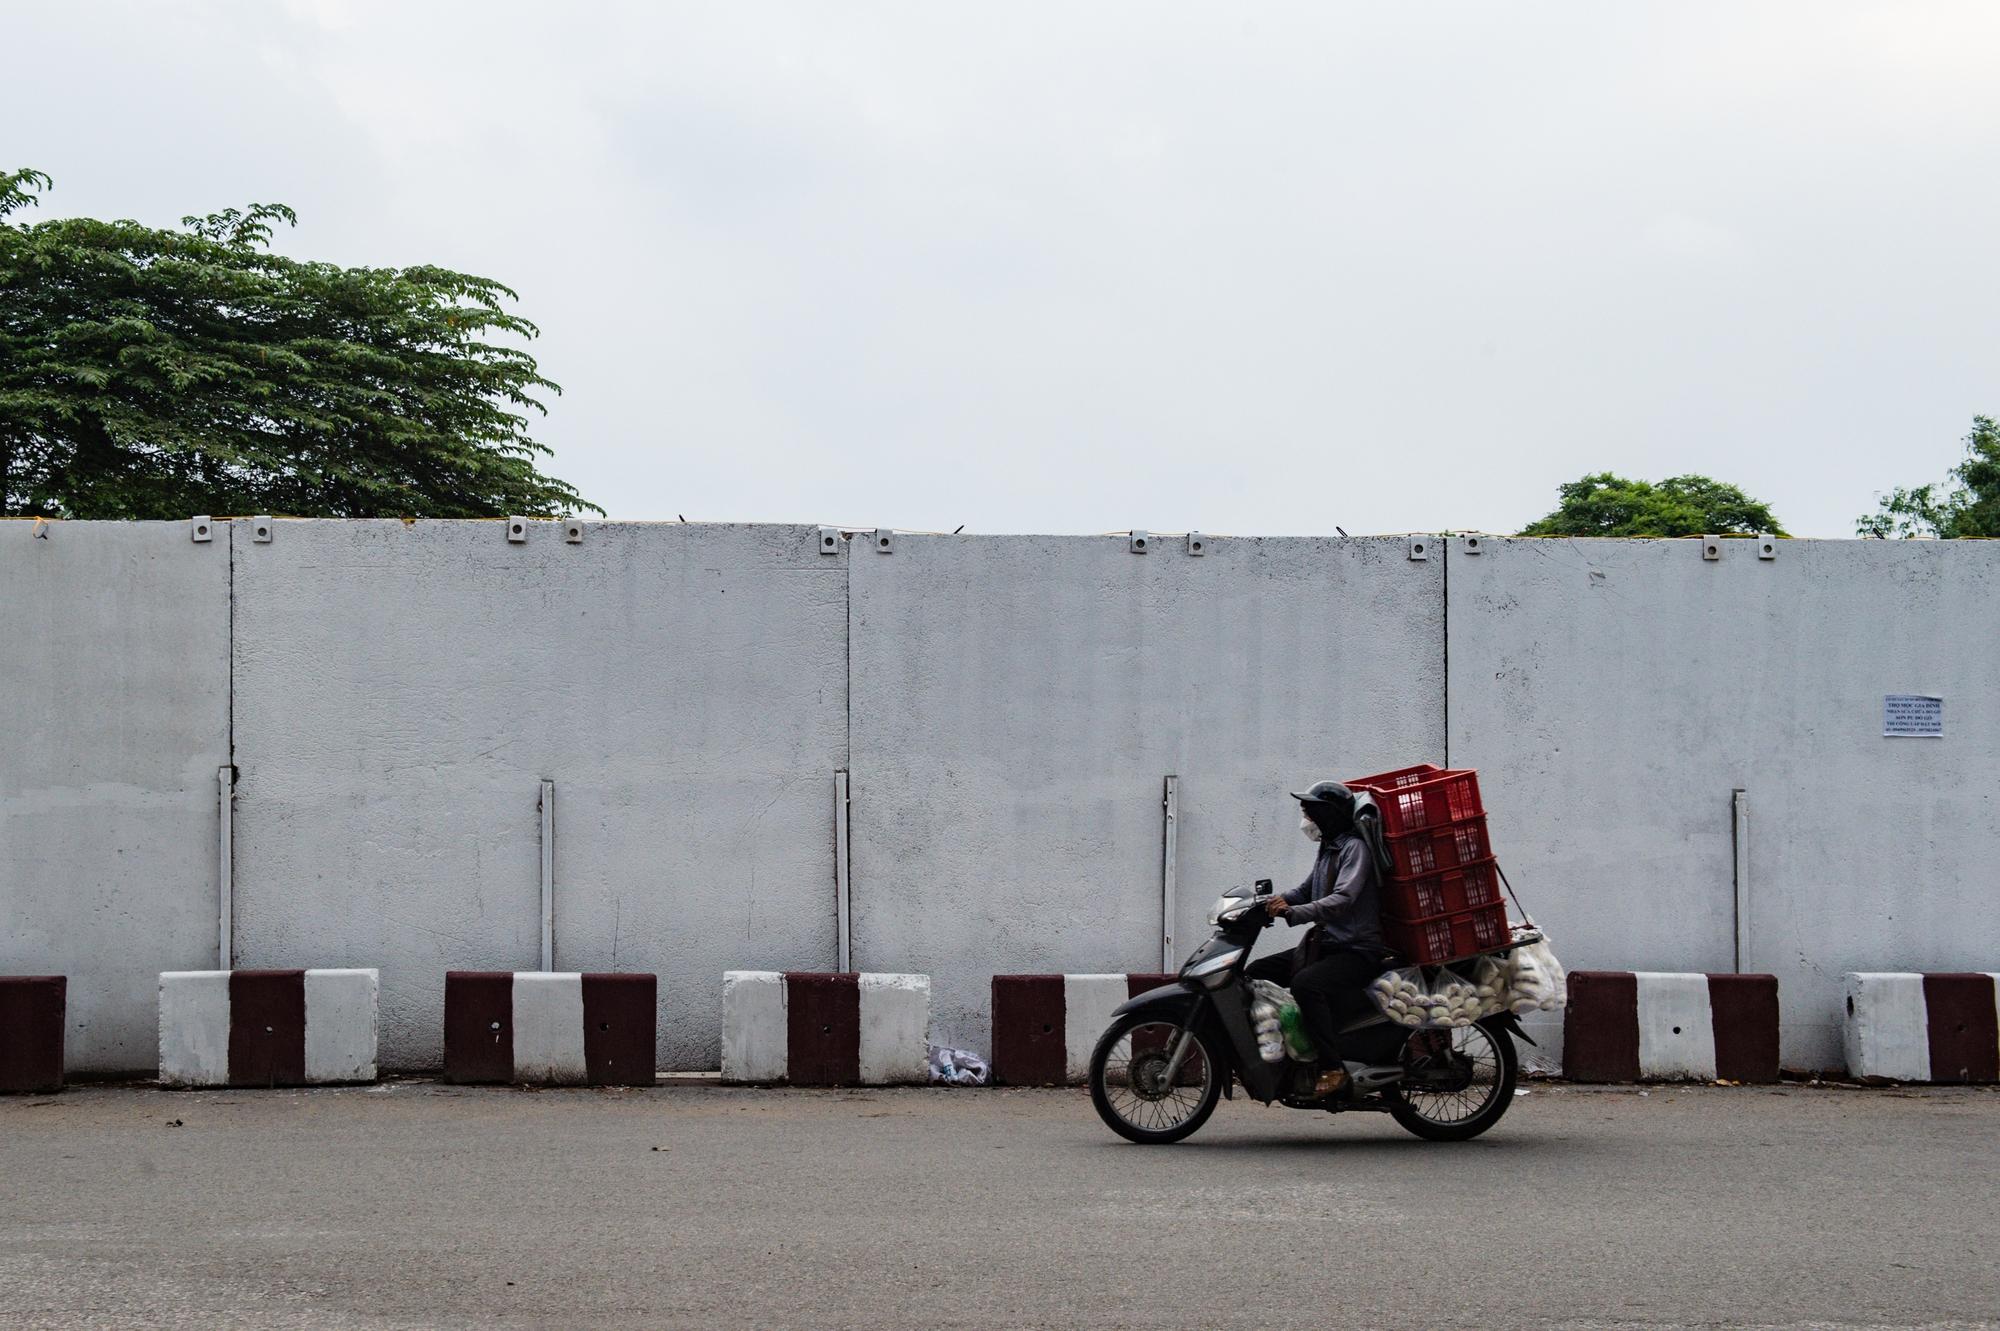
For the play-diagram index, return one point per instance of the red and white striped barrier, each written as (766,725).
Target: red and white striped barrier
(825,1030)
(1045,1026)
(32,1009)
(267,1028)
(550,1028)
(1903,1026)
(1668,1026)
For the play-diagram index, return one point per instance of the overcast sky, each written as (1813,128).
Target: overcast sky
(1256,269)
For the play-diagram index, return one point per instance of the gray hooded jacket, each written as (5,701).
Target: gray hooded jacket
(1340,898)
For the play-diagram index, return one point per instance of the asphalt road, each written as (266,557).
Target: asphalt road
(416,1205)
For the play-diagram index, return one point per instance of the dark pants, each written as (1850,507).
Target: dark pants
(1331,991)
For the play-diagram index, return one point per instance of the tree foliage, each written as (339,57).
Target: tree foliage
(157,373)
(1966,503)
(1606,505)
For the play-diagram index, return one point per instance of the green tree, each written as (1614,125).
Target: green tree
(1608,505)
(1967,503)
(156,373)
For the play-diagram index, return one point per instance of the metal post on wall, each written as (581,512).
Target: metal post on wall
(548,875)
(1739,820)
(840,883)
(225,862)
(1169,872)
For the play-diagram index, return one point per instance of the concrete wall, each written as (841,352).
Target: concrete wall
(1019,702)
(403,690)
(1614,694)
(400,691)
(115,672)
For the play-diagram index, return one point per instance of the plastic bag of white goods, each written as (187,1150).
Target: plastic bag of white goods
(1454,1000)
(1492,981)
(1538,982)
(1401,995)
(1267,1006)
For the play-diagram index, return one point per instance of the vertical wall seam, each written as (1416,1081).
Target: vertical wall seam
(843,923)
(1444,619)
(229,719)
(226,873)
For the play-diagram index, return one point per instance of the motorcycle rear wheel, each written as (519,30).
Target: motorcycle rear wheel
(1126,1086)
(1462,1114)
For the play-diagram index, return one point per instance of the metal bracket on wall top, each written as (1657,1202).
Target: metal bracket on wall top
(1197,543)
(517,530)
(1473,545)
(1711,549)
(829,540)
(260,529)
(1767,547)
(1420,547)
(1141,540)
(885,541)
(572,531)
(201,529)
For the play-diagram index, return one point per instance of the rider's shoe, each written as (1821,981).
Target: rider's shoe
(1331,1083)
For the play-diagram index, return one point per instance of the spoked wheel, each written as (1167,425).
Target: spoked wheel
(1128,1081)
(1458,1082)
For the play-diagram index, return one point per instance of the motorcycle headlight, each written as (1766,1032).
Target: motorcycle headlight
(1222,906)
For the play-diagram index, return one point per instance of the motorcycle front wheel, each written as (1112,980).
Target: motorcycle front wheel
(1458,1082)
(1128,1082)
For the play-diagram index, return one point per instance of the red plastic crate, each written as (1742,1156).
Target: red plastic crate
(1402,776)
(1434,849)
(1444,893)
(1449,937)
(1414,798)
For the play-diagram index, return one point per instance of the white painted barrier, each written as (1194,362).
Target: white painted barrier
(1908,1026)
(813,1029)
(268,1028)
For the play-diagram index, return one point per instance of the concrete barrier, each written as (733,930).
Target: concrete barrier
(550,1028)
(1670,1026)
(1046,1026)
(814,1029)
(32,1012)
(1903,1026)
(267,1027)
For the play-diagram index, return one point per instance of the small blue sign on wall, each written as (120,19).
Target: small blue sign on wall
(1917,715)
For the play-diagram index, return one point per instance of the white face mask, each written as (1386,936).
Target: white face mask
(1309,827)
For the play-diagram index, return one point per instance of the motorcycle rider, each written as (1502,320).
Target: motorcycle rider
(1343,950)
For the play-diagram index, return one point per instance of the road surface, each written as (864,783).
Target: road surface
(415,1204)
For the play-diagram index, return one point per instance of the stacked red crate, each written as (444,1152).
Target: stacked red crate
(1441,900)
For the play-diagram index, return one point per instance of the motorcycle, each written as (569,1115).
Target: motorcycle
(1171,1053)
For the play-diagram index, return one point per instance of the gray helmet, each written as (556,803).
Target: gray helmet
(1329,804)
(1324,792)
(1338,809)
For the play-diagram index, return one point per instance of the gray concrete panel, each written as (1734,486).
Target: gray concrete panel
(115,664)
(1868,851)
(1019,700)
(403,689)
(1614,693)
